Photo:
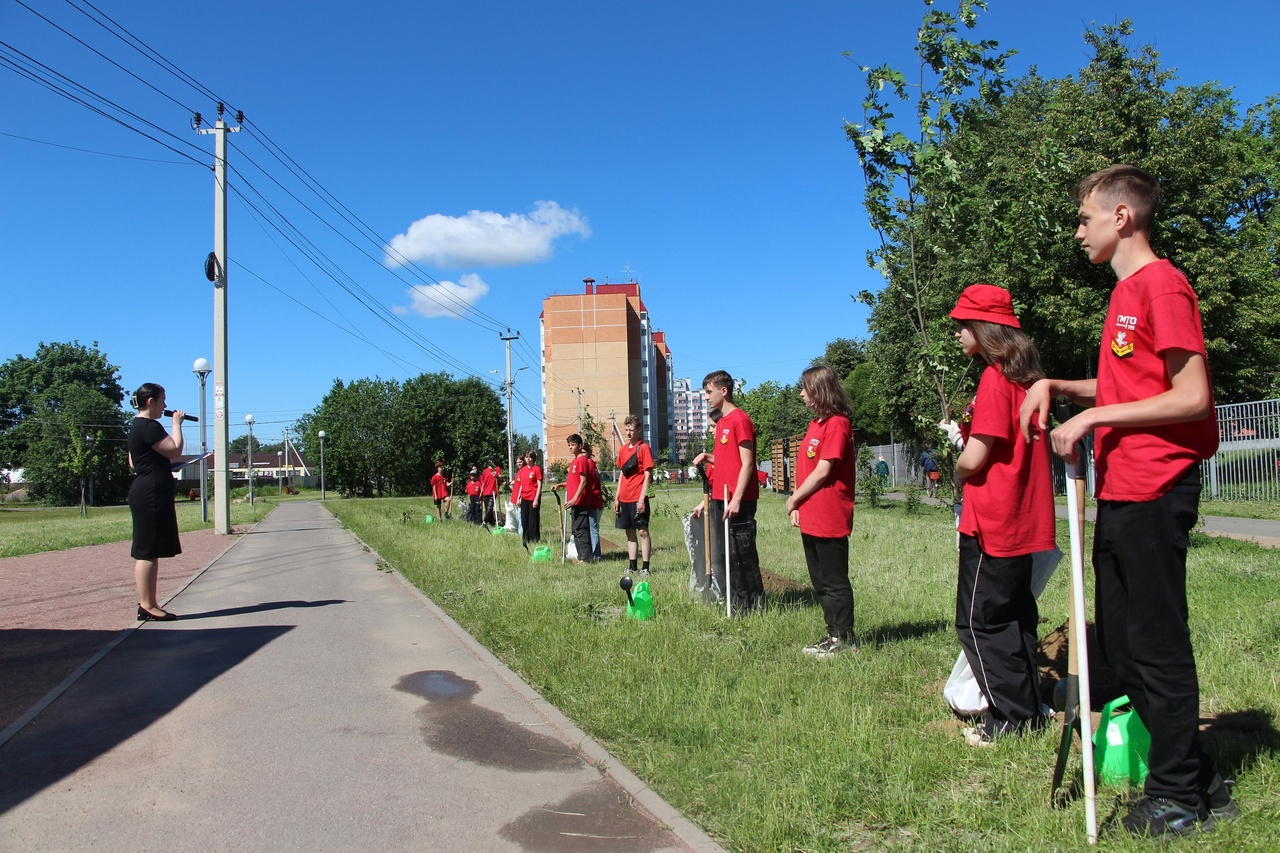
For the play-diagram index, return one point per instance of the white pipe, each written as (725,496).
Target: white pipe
(728,595)
(1081,643)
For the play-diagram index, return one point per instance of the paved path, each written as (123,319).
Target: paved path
(307,700)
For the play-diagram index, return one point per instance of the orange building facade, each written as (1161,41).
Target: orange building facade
(600,354)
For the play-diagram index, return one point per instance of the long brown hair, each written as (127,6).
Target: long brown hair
(1007,348)
(826,394)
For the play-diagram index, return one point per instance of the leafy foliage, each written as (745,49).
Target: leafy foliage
(383,437)
(49,404)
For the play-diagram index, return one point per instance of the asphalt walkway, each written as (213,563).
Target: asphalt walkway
(307,700)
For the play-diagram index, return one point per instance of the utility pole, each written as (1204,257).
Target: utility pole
(215,269)
(509,385)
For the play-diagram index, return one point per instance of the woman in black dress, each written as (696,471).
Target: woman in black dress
(155,519)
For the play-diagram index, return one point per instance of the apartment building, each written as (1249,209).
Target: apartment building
(601,353)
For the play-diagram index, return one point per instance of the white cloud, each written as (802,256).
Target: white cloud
(486,239)
(446,299)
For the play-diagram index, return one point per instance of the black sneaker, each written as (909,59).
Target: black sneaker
(1219,803)
(1157,817)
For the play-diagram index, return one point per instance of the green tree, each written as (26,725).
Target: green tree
(843,355)
(48,405)
(900,160)
(383,437)
(777,412)
(1006,216)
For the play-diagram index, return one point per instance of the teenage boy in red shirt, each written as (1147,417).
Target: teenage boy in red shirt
(1152,414)
(489,489)
(440,487)
(735,469)
(631,501)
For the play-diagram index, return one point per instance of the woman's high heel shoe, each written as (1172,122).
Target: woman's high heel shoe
(145,615)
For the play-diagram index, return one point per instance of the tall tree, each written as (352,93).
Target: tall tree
(900,159)
(48,405)
(1007,217)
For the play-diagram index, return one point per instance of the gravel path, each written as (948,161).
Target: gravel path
(57,609)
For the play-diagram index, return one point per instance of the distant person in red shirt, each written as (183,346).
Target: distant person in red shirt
(531,498)
(489,489)
(1007,516)
(822,505)
(474,512)
(582,495)
(734,475)
(631,502)
(440,488)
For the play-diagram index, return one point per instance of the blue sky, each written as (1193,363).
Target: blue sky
(508,149)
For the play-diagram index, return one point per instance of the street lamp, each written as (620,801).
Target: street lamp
(249,420)
(321,464)
(202,369)
(88,458)
(280,468)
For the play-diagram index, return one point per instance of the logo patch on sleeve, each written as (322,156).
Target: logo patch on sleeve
(1121,347)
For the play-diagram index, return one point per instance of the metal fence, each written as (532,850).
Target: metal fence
(1247,464)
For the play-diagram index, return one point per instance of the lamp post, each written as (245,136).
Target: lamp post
(202,369)
(248,419)
(321,464)
(280,469)
(88,458)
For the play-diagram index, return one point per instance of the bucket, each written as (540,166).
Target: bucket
(1121,745)
(642,609)
(429,519)
(498,531)
(541,554)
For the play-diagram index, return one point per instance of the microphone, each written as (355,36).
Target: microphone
(168,413)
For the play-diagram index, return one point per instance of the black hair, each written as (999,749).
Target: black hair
(146,391)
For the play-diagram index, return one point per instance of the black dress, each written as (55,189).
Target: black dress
(155,518)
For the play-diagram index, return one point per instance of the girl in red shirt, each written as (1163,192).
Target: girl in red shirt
(822,505)
(1007,516)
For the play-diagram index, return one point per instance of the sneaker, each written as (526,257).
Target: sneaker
(644,573)
(978,736)
(1158,817)
(1219,803)
(828,647)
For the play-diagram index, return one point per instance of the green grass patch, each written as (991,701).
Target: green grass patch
(769,750)
(32,530)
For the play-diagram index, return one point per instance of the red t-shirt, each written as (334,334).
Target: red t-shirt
(1008,505)
(583,471)
(630,488)
(516,485)
(1152,311)
(828,512)
(732,431)
(489,481)
(530,482)
(439,487)
(473,488)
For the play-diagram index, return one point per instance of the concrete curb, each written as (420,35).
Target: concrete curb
(668,815)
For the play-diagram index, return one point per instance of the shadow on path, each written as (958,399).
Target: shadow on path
(152,673)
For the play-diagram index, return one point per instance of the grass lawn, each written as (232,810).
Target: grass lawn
(34,529)
(769,750)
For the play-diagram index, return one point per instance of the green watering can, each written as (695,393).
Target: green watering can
(541,554)
(639,601)
(1121,745)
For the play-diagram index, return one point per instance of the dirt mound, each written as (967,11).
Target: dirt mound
(778,585)
(1051,658)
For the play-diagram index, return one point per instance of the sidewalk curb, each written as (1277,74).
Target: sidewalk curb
(593,752)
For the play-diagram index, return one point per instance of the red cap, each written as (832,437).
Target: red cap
(986,302)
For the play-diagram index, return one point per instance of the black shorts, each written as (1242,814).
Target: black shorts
(629,519)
